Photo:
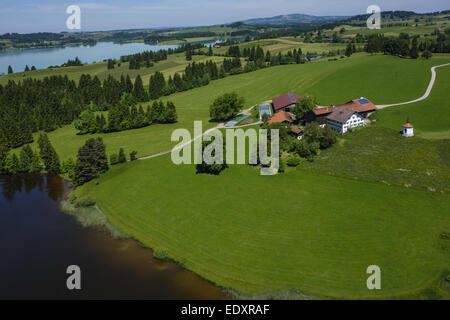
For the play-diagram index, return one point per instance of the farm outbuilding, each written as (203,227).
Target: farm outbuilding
(285,102)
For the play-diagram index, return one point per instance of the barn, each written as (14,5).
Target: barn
(285,102)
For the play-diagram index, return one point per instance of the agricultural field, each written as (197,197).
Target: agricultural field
(424,26)
(430,117)
(387,198)
(292,239)
(174,63)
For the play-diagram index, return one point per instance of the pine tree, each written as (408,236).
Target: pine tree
(48,155)
(122,157)
(128,85)
(25,159)
(91,161)
(349,50)
(188,55)
(139,92)
(12,164)
(171,113)
(414,52)
(156,85)
(35,163)
(100,156)
(4,149)
(26,68)
(10,70)
(133,156)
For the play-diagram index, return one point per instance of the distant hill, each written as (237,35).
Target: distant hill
(295,19)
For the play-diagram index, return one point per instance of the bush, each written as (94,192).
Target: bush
(160,253)
(445,236)
(282,166)
(226,106)
(84,202)
(133,156)
(293,160)
(114,159)
(122,158)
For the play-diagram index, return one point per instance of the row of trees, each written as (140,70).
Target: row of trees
(144,59)
(405,46)
(125,117)
(33,105)
(28,159)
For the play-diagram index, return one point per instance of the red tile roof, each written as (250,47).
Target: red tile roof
(408,125)
(296,130)
(280,117)
(322,111)
(359,105)
(285,100)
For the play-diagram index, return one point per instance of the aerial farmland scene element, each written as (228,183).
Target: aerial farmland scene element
(225,150)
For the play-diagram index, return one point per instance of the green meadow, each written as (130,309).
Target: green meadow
(383,79)
(372,199)
(302,230)
(430,117)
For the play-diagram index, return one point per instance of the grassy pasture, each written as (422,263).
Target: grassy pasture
(302,230)
(174,63)
(430,117)
(383,155)
(386,80)
(310,231)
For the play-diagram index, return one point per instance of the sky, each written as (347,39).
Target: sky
(25,16)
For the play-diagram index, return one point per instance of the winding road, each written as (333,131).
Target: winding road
(222,125)
(427,93)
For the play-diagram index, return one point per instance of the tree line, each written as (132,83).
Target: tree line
(125,116)
(409,46)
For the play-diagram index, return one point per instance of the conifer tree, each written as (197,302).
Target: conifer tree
(10,70)
(91,161)
(48,155)
(12,164)
(139,92)
(35,163)
(171,113)
(25,158)
(4,149)
(122,157)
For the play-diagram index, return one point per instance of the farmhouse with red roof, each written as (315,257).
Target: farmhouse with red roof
(281,117)
(362,106)
(285,102)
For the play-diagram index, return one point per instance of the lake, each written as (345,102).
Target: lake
(38,242)
(45,57)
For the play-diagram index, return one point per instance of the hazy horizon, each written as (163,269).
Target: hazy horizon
(25,16)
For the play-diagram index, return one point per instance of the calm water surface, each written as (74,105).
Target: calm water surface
(38,242)
(43,57)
